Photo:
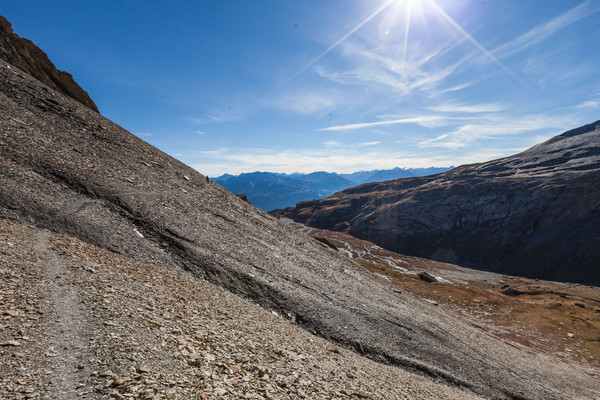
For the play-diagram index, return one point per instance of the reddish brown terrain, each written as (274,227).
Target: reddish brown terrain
(555,318)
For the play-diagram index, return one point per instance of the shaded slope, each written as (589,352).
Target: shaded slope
(533,214)
(66,168)
(22,53)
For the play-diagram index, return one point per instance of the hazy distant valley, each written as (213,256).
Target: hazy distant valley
(269,190)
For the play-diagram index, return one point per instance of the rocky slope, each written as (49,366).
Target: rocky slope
(25,55)
(82,322)
(533,214)
(544,316)
(65,168)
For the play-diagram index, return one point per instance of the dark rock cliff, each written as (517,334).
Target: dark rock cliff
(25,55)
(533,214)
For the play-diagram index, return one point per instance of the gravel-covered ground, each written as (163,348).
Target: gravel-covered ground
(82,322)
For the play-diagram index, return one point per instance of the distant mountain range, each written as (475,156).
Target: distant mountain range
(270,190)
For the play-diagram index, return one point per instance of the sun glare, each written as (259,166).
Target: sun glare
(413,10)
(406,11)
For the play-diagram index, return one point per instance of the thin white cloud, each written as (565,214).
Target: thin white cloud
(423,121)
(200,133)
(454,107)
(381,66)
(213,152)
(490,128)
(308,102)
(437,139)
(368,144)
(545,30)
(339,146)
(589,104)
(456,88)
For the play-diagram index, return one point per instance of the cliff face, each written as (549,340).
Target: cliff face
(25,55)
(533,214)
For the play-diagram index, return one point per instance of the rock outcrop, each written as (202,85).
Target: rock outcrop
(65,168)
(534,214)
(25,55)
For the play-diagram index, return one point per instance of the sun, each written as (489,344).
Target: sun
(402,13)
(393,11)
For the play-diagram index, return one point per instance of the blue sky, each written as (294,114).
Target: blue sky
(230,86)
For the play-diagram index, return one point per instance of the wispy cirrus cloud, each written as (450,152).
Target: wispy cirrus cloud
(455,107)
(339,145)
(589,104)
(456,88)
(380,66)
(547,29)
(374,143)
(496,128)
(422,120)
(214,152)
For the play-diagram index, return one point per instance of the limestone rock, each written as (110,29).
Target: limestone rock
(25,55)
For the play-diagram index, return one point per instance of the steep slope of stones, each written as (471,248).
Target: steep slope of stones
(533,214)
(25,55)
(78,323)
(65,168)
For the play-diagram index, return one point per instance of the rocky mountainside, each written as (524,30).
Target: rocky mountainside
(543,316)
(25,55)
(533,214)
(98,225)
(80,322)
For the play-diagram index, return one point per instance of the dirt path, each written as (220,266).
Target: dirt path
(66,337)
